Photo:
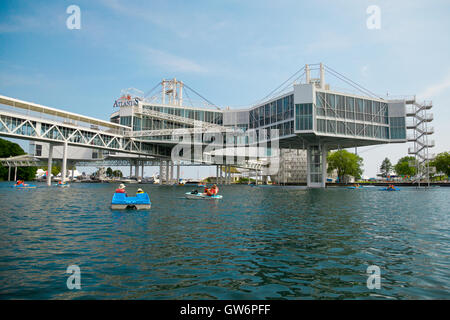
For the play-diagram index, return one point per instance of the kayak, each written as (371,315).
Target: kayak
(201,196)
(27,186)
(387,189)
(62,185)
(354,187)
(120,201)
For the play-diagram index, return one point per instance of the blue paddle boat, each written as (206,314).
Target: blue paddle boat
(120,201)
(24,186)
(390,189)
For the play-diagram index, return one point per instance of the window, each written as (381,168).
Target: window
(331,105)
(320,103)
(367,110)
(331,126)
(303,116)
(340,106)
(38,150)
(397,126)
(350,108)
(340,127)
(321,125)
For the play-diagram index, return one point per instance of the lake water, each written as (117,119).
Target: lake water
(255,243)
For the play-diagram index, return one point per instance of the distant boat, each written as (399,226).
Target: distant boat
(201,196)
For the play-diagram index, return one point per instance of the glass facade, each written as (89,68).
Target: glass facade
(304,116)
(278,114)
(343,115)
(334,114)
(272,112)
(398,128)
(315,164)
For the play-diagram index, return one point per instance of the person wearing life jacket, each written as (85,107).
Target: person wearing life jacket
(19,182)
(213,191)
(121,189)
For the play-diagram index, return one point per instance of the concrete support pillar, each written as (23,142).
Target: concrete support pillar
(131,169)
(178,173)
(15,173)
(160,171)
(316,166)
(227,175)
(217,174)
(324,166)
(167,171)
(49,166)
(9,173)
(136,170)
(73,171)
(64,163)
(142,175)
(171,172)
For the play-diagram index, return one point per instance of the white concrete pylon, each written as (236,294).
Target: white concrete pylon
(64,163)
(49,166)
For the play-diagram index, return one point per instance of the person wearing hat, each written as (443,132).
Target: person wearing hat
(140,191)
(121,189)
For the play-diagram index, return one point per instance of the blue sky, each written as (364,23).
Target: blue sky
(233,52)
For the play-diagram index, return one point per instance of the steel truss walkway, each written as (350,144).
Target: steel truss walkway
(71,129)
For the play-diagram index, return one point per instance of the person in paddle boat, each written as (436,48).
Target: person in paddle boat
(21,183)
(213,191)
(140,191)
(121,189)
(391,187)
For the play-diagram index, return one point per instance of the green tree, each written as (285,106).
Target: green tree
(56,169)
(11,149)
(117,173)
(402,168)
(109,172)
(345,163)
(386,167)
(442,163)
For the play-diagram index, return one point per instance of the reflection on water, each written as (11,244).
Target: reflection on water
(255,243)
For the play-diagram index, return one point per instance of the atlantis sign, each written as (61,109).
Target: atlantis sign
(126,101)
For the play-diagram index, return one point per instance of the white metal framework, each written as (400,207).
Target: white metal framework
(421,131)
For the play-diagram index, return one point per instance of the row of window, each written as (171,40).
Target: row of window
(275,111)
(352,129)
(200,115)
(339,106)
